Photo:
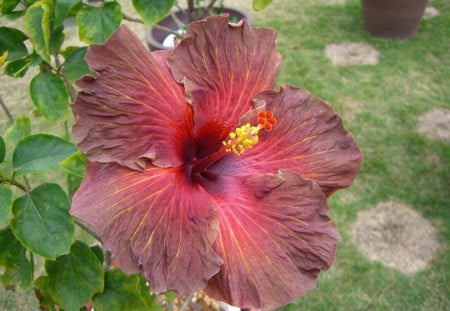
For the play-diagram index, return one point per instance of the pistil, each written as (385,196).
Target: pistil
(239,141)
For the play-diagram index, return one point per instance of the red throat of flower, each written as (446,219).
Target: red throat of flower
(240,140)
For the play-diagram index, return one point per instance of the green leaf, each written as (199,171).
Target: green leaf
(11,40)
(170,296)
(6,198)
(49,9)
(18,268)
(8,5)
(45,300)
(50,96)
(62,10)
(73,183)
(124,292)
(75,164)
(3,57)
(97,250)
(259,5)
(18,68)
(75,65)
(42,221)
(40,152)
(74,278)
(14,15)
(2,149)
(20,128)
(152,11)
(97,24)
(32,23)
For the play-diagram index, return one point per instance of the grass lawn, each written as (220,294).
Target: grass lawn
(380,105)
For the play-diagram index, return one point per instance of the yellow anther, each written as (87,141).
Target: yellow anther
(242,139)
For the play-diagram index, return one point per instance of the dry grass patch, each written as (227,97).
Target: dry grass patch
(396,236)
(435,124)
(430,12)
(334,2)
(352,53)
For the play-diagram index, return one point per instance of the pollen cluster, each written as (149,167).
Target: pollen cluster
(242,139)
(245,137)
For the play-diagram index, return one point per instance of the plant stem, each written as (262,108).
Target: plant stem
(108,260)
(72,91)
(179,7)
(211,4)
(27,183)
(13,182)
(186,302)
(140,21)
(87,228)
(8,113)
(132,19)
(190,10)
(207,9)
(66,130)
(32,264)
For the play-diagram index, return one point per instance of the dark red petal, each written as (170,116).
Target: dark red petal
(275,236)
(308,138)
(154,222)
(132,110)
(222,67)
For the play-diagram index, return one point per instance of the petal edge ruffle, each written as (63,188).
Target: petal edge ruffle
(309,139)
(154,222)
(222,66)
(132,109)
(275,236)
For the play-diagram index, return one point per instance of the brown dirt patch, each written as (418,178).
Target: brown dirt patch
(435,124)
(352,53)
(397,236)
(430,12)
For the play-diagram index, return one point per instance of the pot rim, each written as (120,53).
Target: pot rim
(154,44)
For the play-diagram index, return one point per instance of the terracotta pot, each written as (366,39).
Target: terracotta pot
(159,39)
(393,19)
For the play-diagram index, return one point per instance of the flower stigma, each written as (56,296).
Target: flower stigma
(246,136)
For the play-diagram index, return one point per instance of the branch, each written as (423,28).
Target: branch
(179,22)
(108,260)
(190,10)
(179,7)
(132,19)
(211,4)
(5,108)
(87,228)
(72,91)
(13,182)
(186,302)
(140,21)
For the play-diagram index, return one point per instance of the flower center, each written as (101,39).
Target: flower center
(241,139)
(246,136)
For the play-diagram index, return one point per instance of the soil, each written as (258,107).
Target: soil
(435,124)
(352,53)
(397,236)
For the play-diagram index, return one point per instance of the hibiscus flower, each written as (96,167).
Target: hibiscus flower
(199,175)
